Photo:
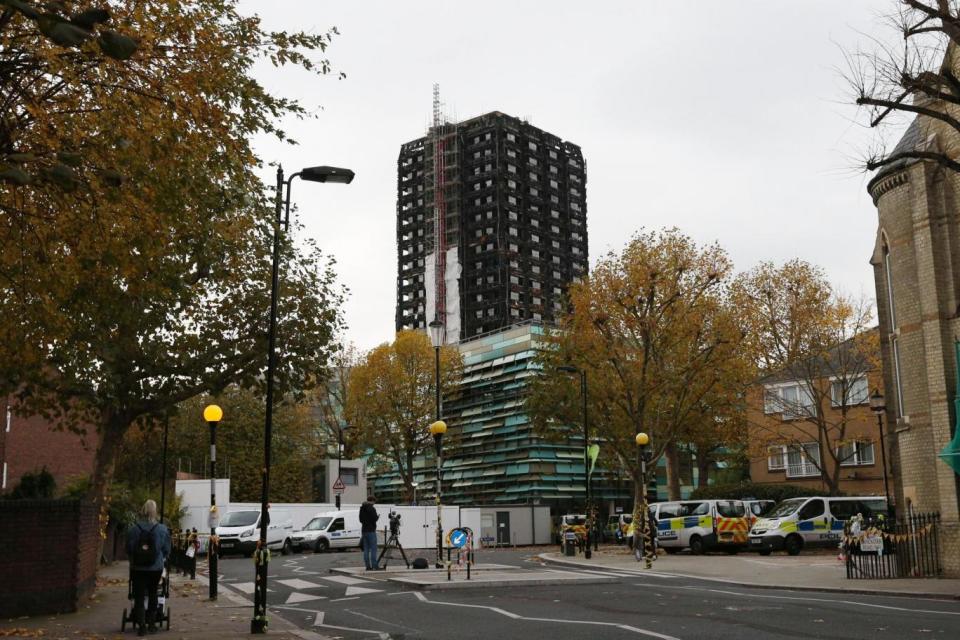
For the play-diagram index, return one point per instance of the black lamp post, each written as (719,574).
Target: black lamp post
(586,455)
(281,222)
(643,526)
(212,415)
(439,427)
(339,459)
(878,406)
(163,466)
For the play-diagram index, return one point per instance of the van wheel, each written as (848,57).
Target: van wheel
(793,544)
(731,551)
(764,552)
(287,547)
(696,545)
(322,546)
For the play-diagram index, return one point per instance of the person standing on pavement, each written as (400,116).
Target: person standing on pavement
(148,546)
(368,530)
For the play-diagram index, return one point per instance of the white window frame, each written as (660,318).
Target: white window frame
(777,458)
(851,391)
(858,457)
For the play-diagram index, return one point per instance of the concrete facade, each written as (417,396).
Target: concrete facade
(916,264)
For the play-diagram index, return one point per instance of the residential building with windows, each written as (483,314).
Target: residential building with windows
(491,225)
(813,426)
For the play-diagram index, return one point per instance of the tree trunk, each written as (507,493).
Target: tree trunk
(112,429)
(703,469)
(673,471)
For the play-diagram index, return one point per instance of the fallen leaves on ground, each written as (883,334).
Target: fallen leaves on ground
(22,632)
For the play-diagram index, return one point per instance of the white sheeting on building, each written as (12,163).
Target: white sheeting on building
(452,281)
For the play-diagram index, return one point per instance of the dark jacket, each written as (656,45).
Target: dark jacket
(161,544)
(368,517)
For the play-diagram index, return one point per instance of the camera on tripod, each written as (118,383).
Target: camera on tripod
(394,523)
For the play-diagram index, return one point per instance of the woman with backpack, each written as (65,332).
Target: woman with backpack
(148,545)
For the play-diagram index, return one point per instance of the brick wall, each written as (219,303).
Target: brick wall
(919,225)
(50,558)
(33,443)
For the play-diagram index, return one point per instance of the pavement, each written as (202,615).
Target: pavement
(805,572)
(192,614)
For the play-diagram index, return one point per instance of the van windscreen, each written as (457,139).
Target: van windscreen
(786,508)
(239,519)
(317,524)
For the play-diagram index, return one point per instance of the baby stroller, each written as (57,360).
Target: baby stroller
(163,610)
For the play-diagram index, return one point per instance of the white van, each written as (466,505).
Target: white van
(330,530)
(239,531)
(700,525)
(810,522)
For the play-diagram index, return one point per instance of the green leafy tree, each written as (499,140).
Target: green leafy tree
(137,276)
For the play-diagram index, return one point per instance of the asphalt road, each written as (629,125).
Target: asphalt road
(638,606)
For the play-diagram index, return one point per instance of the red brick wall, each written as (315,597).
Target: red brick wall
(50,559)
(33,443)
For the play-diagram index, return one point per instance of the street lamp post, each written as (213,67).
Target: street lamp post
(878,406)
(437,429)
(212,414)
(586,454)
(163,466)
(642,441)
(280,223)
(339,459)
(414,485)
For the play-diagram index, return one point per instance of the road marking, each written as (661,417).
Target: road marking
(514,616)
(809,599)
(345,580)
(359,591)
(297,583)
(380,634)
(296,597)
(627,573)
(392,624)
(246,587)
(318,621)
(342,599)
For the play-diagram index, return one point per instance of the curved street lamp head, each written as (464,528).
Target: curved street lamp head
(437,331)
(567,368)
(438,428)
(212,413)
(327,174)
(877,405)
(642,439)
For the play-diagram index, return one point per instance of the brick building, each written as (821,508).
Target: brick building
(29,444)
(787,441)
(916,262)
(491,225)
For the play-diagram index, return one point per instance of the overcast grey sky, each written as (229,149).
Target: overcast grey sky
(725,119)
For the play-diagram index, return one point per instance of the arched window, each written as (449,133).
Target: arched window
(894,325)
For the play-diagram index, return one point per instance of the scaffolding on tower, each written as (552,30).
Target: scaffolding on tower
(439,210)
(443,182)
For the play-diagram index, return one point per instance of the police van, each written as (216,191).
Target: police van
(701,525)
(810,522)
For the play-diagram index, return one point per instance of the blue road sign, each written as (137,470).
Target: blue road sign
(458,538)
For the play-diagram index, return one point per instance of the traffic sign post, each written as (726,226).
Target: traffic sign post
(338,490)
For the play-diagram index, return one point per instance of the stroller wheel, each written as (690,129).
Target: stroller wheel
(123,621)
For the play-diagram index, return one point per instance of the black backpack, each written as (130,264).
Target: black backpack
(146,551)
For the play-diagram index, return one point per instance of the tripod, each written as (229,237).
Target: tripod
(392,543)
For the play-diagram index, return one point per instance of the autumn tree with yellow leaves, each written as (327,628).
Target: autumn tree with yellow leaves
(391,398)
(135,234)
(654,330)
